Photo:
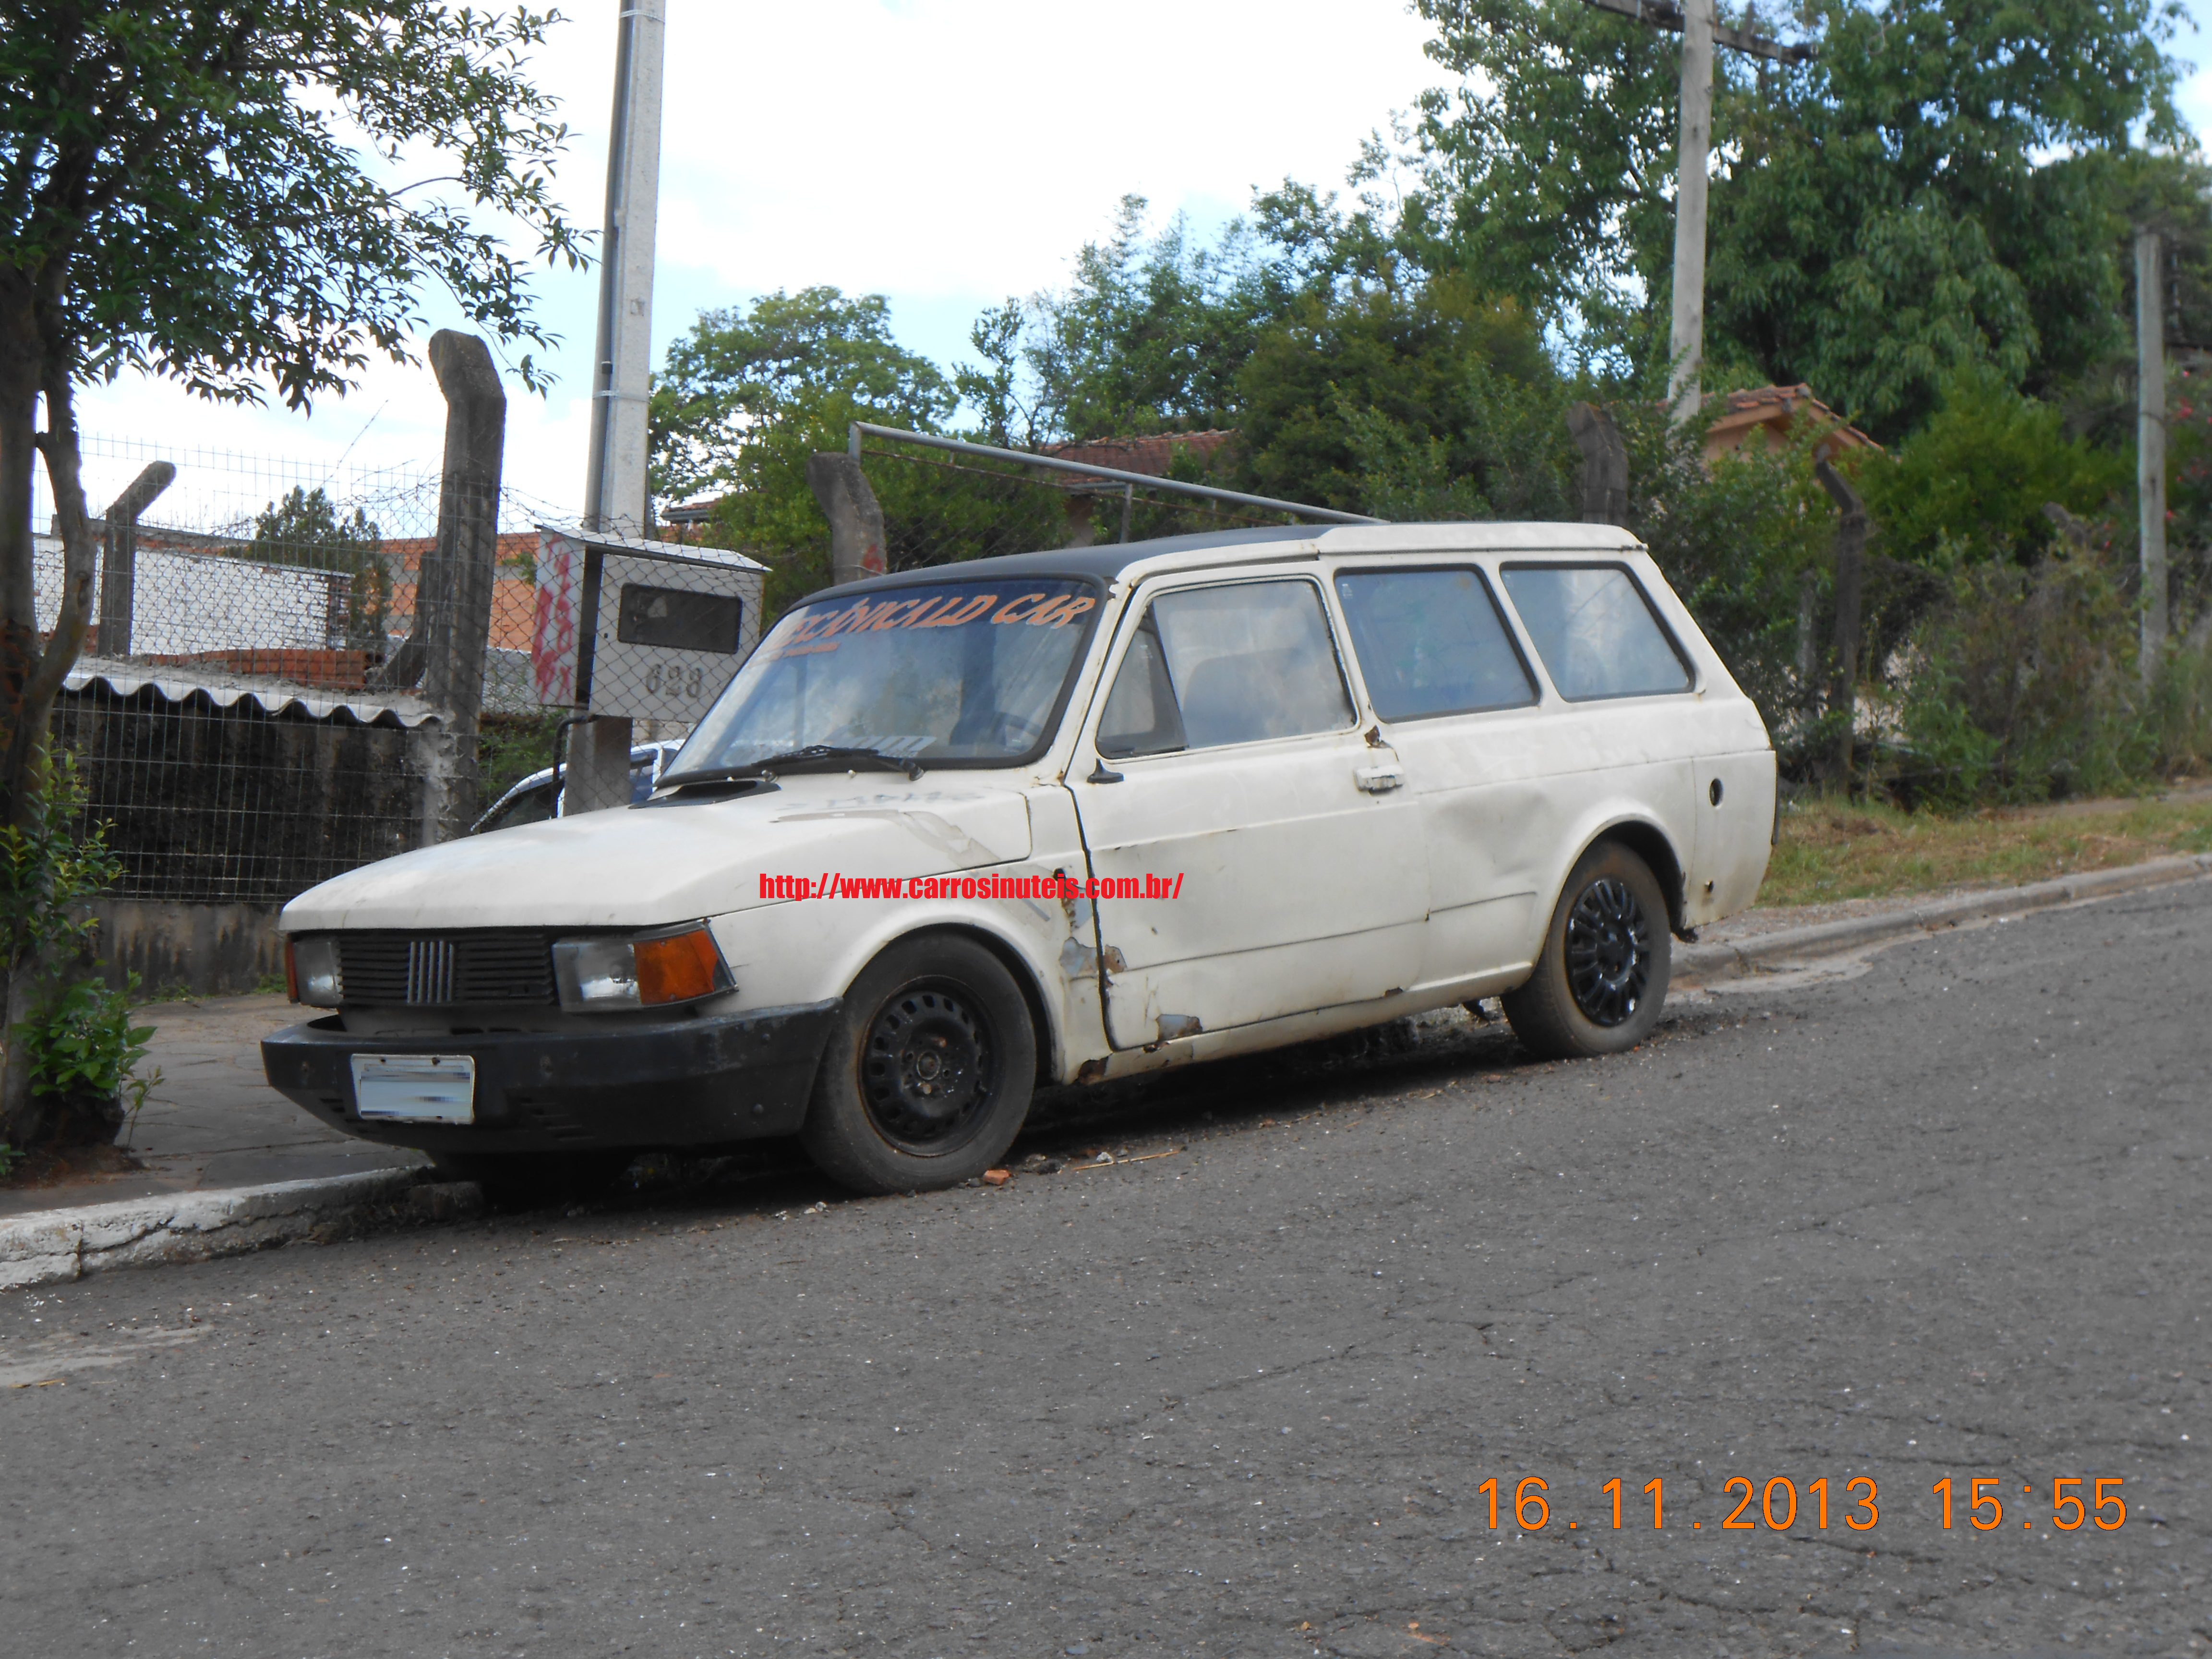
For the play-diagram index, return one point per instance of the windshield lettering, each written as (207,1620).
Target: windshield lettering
(953,671)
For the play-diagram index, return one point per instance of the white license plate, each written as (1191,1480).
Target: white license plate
(415,1088)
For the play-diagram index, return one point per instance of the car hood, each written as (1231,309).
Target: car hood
(646,866)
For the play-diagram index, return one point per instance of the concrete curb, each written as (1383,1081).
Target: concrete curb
(56,1245)
(1715,964)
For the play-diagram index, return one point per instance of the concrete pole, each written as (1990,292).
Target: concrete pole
(454,593)
(118,562)
(856,521)
(1605,464)
(2150,440)
(615,487)
(1851,571)
(1687,344)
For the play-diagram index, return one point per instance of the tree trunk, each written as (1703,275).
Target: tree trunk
(19,622)
(32,673)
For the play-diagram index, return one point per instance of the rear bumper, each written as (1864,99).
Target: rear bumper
(684,1083)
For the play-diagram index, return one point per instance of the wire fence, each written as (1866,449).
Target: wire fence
(259,706)
(253,708)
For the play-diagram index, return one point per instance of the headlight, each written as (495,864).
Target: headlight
(597,975)
(311,971)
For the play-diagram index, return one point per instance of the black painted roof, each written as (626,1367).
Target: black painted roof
(1103,562)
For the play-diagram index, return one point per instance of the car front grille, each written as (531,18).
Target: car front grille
(443,970)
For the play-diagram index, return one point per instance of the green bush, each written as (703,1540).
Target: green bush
(74,1037)
(83,1050)
(2024,687)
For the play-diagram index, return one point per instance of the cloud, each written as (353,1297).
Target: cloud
(947,153)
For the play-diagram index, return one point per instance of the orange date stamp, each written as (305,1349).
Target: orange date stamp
(2075,1501)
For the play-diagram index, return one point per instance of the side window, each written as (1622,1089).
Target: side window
(534,807)
(1140,717)
(1431,642)
(1215,665)
(1595,631)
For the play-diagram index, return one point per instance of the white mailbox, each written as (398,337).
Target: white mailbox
(637,629)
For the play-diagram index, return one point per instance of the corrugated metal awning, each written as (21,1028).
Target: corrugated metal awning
(124,679)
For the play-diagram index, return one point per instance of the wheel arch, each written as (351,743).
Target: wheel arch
(1651,844)
(1016,965)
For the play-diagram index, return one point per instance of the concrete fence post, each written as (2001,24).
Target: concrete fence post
(119,558)
(1850,576)
(452,595)
(856,522)
(1605,464)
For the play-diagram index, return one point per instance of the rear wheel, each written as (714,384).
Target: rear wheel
(928,1070)
(1602,977)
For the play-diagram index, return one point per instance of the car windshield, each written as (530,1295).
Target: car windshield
(953,671)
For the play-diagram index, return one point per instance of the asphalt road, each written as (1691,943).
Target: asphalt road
(1946,1219)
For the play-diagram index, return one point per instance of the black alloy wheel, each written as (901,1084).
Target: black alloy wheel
(1601,979)
(1608,952)
(929,1068)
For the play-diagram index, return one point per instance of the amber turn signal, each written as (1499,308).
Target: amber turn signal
(678,969)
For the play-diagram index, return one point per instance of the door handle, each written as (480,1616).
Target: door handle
(1379,780)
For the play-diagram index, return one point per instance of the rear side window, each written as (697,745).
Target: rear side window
(1431,642)
(1216,666)
(1595,631)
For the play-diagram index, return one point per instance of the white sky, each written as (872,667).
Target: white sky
(946,153)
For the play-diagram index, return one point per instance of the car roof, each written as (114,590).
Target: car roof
(1115,560)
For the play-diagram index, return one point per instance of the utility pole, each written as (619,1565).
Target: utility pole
(2150,440)
(621,362)
(1685,341)
(1701,31)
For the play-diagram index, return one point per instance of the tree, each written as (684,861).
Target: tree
(751,393)
(1149,336)
(1407,399)
(305,529)
(197,190)
(200,189)
(1925,196)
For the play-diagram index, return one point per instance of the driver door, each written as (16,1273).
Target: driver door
(1284,856)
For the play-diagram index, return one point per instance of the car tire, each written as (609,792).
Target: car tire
(927,1074)
(1601,976)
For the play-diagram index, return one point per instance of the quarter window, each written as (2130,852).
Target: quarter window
(1431,642)
(1595,631)
(1216,666)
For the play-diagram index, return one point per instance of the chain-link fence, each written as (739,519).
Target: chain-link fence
(259,705)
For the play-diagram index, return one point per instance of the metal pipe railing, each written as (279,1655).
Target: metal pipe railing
(1146,480)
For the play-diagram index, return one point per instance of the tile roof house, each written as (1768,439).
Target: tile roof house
(1770,415)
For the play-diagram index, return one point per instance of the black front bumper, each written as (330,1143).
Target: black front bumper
(682,1083)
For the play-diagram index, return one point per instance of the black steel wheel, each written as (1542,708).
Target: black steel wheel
(927,1074)
(1600,977)
(1608,952)
(929,1067)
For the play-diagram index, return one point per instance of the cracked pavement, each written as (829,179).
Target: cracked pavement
(1943,1218)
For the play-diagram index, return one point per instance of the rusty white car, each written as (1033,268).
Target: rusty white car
(955,833)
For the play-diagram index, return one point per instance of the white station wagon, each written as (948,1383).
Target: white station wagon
(955,833)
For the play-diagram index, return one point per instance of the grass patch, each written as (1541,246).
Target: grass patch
(1832,850)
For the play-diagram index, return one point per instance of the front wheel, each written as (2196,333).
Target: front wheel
(927,1074)
(1601,976)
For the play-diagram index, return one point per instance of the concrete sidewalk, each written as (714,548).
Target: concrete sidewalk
(213,1124)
